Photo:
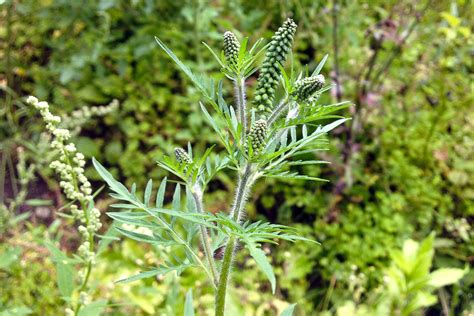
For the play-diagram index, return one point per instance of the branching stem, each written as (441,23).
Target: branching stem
(278,111)
(197,195)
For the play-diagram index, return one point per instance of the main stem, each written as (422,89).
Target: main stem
(246,180)
(197,195)
(240,98)
(224,276)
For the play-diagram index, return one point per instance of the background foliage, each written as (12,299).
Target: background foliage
(402,169)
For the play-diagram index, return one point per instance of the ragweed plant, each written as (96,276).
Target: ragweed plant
(265,140)
(69,166)
(34,156)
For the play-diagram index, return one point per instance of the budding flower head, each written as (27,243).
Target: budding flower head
(182,156)
(231,48)
(305,88)
(257,136)
(268,79)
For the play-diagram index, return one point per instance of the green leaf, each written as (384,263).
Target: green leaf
(65,274)
(10,256)
(158,271)
(105,240)
(141,275)
(147,195)
(56,253)
(333,125)
(215,55)
(212,121)
(93,309)
(19,218)
(206,88)
(289,310)
(137,236)
(188,305)
(114,185)
(320,66)
(134,218)
(177,198)
(160,195)
(38,202)
(16,311)
(420,300)
(259,256)
(445,276)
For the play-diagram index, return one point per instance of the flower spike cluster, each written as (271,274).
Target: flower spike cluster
(268,79)
(305,88)
(257,136)
(70,165)
(231,48)
(182,156)
(75,185)
(78,118)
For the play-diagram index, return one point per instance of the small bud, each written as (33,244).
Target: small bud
(182,156)
(257,136)
(231,48)
(268,79)
(305,88)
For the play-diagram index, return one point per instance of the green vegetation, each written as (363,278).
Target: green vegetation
(400,171)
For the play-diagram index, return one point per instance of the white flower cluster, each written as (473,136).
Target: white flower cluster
(77,118)
(138,229)
(69,312)
(75,185)
(87,231)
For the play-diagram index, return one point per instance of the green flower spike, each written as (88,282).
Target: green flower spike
(268,79)
(257,136)
(231,48)
(182,156)
(305,88)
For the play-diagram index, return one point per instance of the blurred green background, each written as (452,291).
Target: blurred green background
(402,168)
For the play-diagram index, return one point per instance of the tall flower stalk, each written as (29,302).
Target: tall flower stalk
(231,52)
(269,77)
(70,168)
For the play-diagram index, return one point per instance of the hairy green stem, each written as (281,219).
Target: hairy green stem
(240,98)
(278,111)
(243,188)
(224,277)
(197,195)
(246,180)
